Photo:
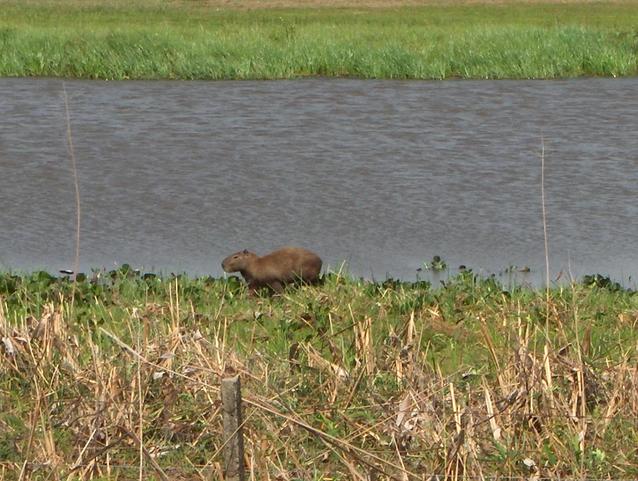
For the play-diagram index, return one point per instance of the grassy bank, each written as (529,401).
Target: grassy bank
(341,381)
(150,40)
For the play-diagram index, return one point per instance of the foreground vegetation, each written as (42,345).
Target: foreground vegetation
(346,380)
(160,40)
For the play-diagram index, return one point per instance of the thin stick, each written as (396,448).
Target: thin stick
(545,232)
(31,431)
(69,138)
(141,411)
(151,460)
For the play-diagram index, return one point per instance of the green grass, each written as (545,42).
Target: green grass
(467,377)
(152,41)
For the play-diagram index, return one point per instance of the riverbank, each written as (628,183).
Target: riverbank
(465,378)
(217,40)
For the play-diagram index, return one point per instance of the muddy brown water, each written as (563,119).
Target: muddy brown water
(380,174)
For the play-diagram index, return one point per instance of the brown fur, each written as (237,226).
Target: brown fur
(274,270)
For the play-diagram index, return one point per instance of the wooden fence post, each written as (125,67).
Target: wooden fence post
(233,431)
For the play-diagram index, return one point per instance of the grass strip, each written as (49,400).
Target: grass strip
(181,41)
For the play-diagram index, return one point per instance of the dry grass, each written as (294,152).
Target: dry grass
(344,381)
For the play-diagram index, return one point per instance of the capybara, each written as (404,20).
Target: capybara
(274,270)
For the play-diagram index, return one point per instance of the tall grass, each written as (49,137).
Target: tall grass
(348,380)
(533,41)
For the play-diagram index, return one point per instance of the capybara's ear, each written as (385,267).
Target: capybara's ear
(245,251)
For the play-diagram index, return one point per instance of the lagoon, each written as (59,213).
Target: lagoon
(383,175)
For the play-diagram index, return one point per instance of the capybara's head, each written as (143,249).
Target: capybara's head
(238,261)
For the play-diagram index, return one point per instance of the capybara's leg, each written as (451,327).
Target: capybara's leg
(253,287)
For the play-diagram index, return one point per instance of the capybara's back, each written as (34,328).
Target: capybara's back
(274,270)
(291,264)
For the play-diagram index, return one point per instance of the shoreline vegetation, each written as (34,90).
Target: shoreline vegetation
(282,40)
(396,380)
